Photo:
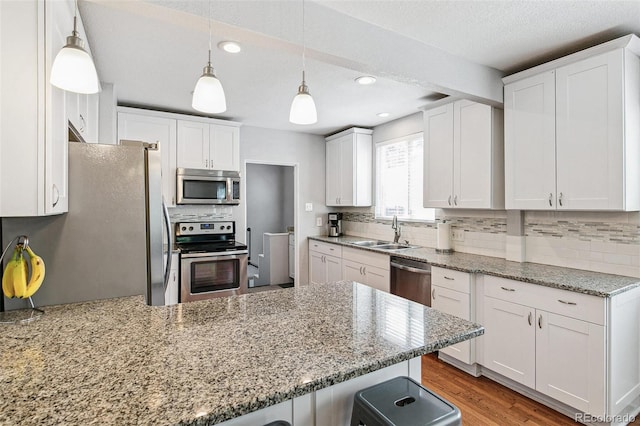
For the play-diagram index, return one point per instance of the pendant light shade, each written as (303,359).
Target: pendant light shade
(208,95)
(303,109)
(73,69)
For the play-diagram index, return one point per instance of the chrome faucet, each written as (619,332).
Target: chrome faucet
(396,227)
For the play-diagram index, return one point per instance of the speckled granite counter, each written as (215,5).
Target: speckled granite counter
(594,283)
(121,362)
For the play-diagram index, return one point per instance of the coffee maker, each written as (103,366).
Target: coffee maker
(335,224)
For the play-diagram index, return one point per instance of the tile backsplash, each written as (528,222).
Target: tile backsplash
(602,242)
(196,213)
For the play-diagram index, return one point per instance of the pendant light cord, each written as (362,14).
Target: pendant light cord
(209,19)
(304,44)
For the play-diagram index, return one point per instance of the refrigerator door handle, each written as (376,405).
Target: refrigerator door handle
(167,223)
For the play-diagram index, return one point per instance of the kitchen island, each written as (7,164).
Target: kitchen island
(119,361)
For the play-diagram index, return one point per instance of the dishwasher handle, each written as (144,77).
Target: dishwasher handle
(411,269)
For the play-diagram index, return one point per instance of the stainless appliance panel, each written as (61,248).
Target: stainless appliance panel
(195,186)
(209,275)
(411,279)
(99,249)
(155,223)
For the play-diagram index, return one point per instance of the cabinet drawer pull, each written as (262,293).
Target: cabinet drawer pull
(550,197)
(433,293)
(530,318)
(449,278)
(364,270)
(566,302)
(540,321)
(361,270)
(508,289)
(330,249)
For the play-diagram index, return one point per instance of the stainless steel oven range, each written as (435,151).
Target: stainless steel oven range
(212,263)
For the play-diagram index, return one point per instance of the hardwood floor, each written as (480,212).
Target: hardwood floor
(485,402)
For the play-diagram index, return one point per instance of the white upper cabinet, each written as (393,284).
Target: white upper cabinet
(202,145)
(463,156)
(33,130)
(530,143)
(148,126)
(349,168)
(572,138)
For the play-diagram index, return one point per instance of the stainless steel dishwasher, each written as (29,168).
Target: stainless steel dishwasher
(411,279)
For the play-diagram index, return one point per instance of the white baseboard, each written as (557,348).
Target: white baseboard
(471,369)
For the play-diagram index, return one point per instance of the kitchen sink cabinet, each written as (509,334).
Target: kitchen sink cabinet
(34,134)
(463,156)
(202,145)
(349,168)
(325,262)
(570,140)
(372,269)
(148,126)
(452,293)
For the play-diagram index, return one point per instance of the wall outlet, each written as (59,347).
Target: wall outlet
(457,235)
(318,221)
(308,207)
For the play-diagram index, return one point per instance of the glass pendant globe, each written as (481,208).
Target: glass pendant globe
(73,70)
(303,109)
(208,95)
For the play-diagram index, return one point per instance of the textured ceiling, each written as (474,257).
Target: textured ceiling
(154,51)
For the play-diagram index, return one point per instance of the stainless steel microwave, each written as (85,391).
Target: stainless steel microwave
(195,186)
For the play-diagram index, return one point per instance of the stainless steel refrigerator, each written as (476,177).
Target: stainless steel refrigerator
(116,238)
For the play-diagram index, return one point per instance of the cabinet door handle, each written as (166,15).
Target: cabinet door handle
(550,198)
(433,293)
(530,318)
(455,200)
(560,199)
(57,192)
(508,289)
(84,124)
(449,278)
(324,259)
(540,321)
(566,302)
(364,270)
(361,270)
(449,200)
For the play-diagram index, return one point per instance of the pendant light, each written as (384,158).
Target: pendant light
(73,69)
(208,95)
(303,109)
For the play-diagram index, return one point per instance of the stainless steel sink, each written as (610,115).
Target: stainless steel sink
(369,243)
(393,246)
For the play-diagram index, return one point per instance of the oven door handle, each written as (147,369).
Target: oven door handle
(223,255)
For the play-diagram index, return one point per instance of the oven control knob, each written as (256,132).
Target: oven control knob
(228,226)
(191,228)
(221,226)
(184,228)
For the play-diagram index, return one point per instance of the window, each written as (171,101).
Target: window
(399,179)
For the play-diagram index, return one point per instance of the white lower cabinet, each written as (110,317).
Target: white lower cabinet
(325,262)
(451,293)
(547,339)
(367,268)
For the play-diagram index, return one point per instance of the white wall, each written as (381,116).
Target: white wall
(307,153)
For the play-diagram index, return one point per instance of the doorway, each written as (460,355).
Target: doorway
(270,201)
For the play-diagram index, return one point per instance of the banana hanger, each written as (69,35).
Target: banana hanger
(21,316)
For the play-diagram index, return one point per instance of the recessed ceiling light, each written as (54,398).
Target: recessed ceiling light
(230,46)
(382,114)
(366,79)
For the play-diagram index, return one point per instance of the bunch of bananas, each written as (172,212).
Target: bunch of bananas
(15,279)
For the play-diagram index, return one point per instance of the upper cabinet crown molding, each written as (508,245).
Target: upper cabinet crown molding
(349,156)
(572,137)
(178,116)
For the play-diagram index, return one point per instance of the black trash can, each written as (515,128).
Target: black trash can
(402,402)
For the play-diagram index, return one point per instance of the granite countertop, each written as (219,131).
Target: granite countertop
(577,280)
(121,362)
